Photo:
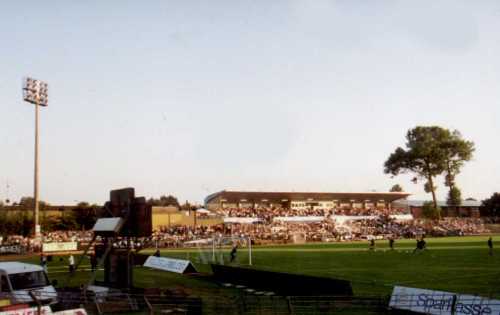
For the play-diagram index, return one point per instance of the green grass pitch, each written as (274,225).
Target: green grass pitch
(455,264)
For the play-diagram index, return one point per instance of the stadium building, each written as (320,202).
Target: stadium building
(302,200)
(468,208)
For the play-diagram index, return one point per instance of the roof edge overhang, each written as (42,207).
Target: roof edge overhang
(391,196)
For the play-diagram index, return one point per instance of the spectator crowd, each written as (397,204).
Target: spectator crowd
(267,214)
(328,225)
(327,230)
(334,225)
(31,244)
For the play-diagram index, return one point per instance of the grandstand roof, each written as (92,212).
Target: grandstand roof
(259,196)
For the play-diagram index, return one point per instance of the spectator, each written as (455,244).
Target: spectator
(71,263)
(43,262)
(93,262)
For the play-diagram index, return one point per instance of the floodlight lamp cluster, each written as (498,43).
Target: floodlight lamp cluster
(36,92)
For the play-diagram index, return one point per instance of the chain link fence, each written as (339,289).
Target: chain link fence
(245,303)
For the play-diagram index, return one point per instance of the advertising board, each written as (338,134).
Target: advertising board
(441,303)
(169,264)
(59,246)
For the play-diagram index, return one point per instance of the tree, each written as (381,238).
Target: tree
(422,156)
(25,225)
(82,204)
(164,201)
(66,222)
(492,205)
(431,151)
(430,211)
(85,215)
(454,197)
(29,203)
(457,151)
(187,206)
(396,188)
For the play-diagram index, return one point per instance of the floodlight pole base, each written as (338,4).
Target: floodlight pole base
(38,230)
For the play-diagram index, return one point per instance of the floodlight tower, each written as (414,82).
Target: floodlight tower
(36,92)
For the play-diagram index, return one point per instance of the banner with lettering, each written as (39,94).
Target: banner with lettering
(441,303)
(60,246)
(239,220)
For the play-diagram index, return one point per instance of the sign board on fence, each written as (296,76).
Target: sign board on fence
(170,264)
(76,311)
(59,247)
(441,303)
(241,220)
(10,249)
(470,304)
(300,219)
(108,225)
(45,310)
(421,300)
(401,217)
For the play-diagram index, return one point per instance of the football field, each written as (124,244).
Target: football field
(455,264)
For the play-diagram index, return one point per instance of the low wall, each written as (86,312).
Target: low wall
(286,284)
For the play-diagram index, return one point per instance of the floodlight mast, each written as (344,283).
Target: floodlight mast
(36,92)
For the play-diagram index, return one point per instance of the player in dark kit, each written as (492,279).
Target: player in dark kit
(421,244)
(490,246)
(372,244)
(391,243)
(234,252)
(417,247)
(43,262)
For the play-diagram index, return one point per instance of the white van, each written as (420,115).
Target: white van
(20,281)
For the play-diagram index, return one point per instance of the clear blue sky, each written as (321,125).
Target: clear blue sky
(191,97)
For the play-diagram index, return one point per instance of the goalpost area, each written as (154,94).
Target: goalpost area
(218,250)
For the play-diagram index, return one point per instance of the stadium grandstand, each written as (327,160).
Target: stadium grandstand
(302,200)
